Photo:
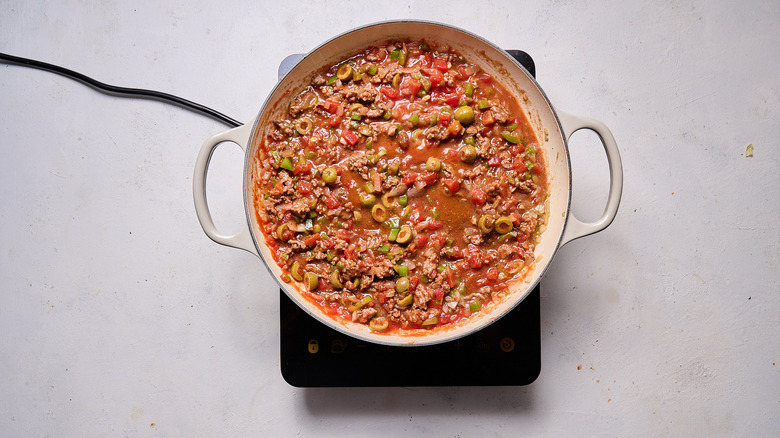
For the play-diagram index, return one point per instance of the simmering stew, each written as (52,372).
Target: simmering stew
(404,188)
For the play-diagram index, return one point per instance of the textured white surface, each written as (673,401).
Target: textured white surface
(120,318)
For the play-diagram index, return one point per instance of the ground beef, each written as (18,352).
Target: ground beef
(472,235)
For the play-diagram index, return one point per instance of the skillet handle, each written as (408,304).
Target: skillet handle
(575,228)
(242,239)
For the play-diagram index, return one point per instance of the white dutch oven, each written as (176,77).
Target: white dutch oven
(553,129)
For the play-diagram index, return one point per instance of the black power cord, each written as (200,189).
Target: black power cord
(120,91)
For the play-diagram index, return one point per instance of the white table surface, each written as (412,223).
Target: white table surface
(118,317)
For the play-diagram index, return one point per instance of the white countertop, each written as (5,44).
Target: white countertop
(119,317)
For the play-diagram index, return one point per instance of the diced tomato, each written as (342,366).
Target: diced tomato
(451,99)
(410,86)
(444,318)
(515,217)
(516,150)
(330,243)
(444,119)
(450,276)
(349,254)
(488,118)
(438,240)
(342,234)
(304,187)
(457,252)
(334,121)
(518,165)
(473,257)
(381,298)
(331,202)
(429,177)
(421,240)
(390,93)
(427,59)
(349,136)
(484,79)
(434,75)
(323,285)
(464,72)
(478,196)
(312,240)
(416,217)
(439,293)
(413,282)
(331,106)
(494,161)
(440,64)
(433,224)
(302,168)
(492,274)
(410,178)
(452,185)
(450,154)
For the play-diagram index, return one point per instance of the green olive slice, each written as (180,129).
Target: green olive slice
(387,200)
(281,231)
(359,305)
(433,164)
(379,213)
(367,199)
(378,324)
(464,115)
(304,125)
(311,281)
(296,270)
(486,223)
(404,234)
(468,154)
(344,72)
(330,175)
(335,281)
(430,321)
(503,225)
(402,285)
(407,300)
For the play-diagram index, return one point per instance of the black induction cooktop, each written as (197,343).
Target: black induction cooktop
(507,352)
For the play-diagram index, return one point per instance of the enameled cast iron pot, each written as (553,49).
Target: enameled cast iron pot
(553,129)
